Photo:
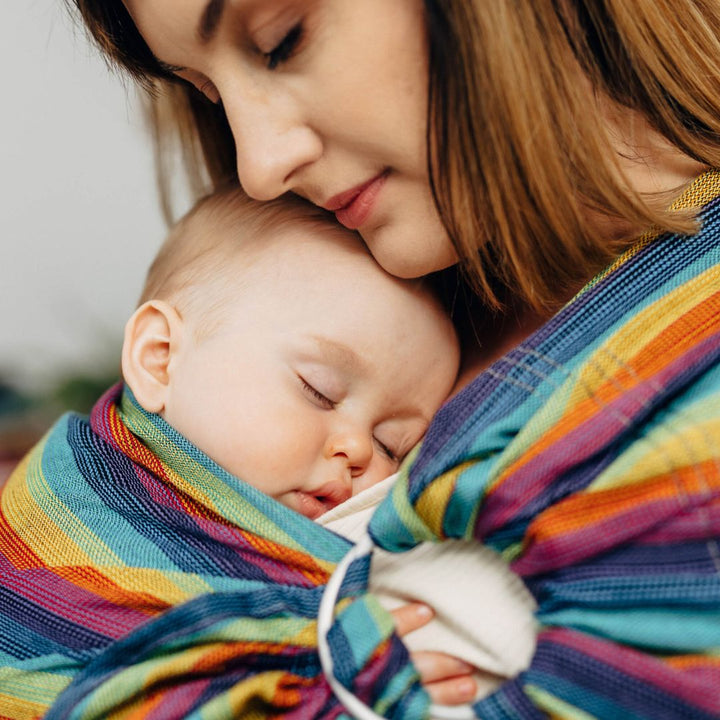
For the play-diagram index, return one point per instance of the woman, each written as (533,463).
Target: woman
(534,143)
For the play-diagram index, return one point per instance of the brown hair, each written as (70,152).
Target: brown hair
(518,155)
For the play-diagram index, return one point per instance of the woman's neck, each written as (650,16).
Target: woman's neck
(650,164)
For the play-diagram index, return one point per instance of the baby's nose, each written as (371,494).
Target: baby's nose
(354,448)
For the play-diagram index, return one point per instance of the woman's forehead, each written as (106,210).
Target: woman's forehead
(197,22)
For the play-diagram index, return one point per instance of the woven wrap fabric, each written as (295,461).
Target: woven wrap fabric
(138,579)
(589,456)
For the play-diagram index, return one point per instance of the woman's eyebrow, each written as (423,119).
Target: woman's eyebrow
(210,19)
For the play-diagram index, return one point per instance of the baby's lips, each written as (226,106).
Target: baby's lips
(334,492)
(313,503)
(308,505)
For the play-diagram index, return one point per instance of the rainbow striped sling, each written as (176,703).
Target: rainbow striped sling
(138,579)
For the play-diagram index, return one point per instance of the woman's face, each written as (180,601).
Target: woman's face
(325,98)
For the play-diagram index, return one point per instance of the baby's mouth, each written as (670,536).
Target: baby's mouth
(315,503)
(310,505)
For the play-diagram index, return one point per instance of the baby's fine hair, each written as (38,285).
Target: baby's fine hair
(202,258)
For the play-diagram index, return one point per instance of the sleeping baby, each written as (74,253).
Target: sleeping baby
(269,339)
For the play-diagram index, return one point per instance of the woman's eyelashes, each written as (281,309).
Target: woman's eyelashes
(281,53)
(284,50)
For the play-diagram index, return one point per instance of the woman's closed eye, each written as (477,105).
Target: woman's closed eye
(284,50)
(320,399)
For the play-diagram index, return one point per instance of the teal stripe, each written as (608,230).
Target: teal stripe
(656,588)
(681,630)
(360,615)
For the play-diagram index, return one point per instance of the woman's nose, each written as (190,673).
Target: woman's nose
(352,447)
(272,142)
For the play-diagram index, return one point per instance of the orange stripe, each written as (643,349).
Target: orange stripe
(148,705)
(589,508)
(693,662)
(296,560)
(92,580)
(15,549)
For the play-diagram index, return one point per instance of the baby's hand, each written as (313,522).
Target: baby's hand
(448,680)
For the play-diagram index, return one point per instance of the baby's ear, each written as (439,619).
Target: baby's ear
(152,335)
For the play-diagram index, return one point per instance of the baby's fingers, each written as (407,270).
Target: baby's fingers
(447,680)
(457,691)
(411,617)
(436,666)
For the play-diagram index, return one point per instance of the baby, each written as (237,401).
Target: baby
(269,337)
(267,341)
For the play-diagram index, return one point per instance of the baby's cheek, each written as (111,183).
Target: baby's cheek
(376,473)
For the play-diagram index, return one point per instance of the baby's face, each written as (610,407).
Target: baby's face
(324,372)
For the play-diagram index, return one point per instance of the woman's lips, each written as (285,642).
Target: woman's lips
(353,207)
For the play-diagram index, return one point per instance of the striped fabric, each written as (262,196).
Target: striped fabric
(140,580)
(589,456)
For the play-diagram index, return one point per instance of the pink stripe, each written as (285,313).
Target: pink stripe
(507,500)
(177,702)
(589,541)
(58,597)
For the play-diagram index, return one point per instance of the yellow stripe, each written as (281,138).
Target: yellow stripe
(173,587)
(667,448)
(433,500)
(557,709)
(15,709)
(28,694)
(612,359)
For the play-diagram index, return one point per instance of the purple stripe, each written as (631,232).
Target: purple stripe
(592,540)
(57,600)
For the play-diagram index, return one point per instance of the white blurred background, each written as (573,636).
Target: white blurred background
(79,213)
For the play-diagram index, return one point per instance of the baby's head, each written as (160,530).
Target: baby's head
(269,337)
